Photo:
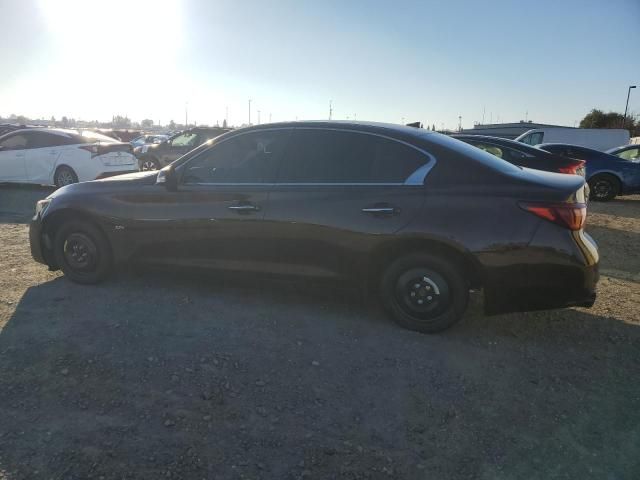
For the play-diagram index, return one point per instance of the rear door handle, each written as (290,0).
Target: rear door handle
(379,210)
(244,208)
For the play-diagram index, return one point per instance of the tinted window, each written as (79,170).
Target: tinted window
(14,142)
(248,158)
(46,139)
(325,156)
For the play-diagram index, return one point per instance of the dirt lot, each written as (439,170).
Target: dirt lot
(154,375)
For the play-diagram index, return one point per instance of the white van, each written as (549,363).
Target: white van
(597,138)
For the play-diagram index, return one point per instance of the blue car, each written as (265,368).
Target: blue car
(608,175)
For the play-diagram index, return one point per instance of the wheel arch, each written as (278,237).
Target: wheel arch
(54,220)
(386,253)
(609,173)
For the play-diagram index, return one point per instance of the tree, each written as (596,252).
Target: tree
(224,123)
(21,119)
(65,121)
(598,119)
(172,125)
(121,122)
(146,123)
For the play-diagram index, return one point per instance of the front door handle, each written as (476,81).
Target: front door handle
(244,208)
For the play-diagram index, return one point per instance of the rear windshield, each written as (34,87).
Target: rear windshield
(474,153)
(90,137)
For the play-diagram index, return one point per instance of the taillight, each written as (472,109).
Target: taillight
(568,215)
(573,167)
(90,148)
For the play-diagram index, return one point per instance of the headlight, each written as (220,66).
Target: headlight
(41,207)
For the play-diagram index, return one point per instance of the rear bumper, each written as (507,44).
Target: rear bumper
(540,277)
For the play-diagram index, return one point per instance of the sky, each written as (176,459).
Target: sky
(393,61)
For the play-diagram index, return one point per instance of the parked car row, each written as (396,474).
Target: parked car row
(156,155)
(49,156)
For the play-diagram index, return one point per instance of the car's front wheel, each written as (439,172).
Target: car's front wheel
(82,252)
(424,292)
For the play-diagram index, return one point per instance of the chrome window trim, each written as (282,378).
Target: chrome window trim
(417,178)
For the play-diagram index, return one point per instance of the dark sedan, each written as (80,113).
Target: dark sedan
(417,216)
(608,175)
(524,155)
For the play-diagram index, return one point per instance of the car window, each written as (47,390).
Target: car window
(533,138)
(248,158)
(630,154)
(325,156)
(187,139)
(47,139)
(492,149)
(14,142)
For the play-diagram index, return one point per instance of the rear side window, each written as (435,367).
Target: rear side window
(328,156)
(630,154)
(46,139)
(533,138)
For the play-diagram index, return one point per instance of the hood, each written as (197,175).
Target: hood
(106,184)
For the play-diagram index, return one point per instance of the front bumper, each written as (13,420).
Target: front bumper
(36,240)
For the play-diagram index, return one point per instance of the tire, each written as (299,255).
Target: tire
(148,164)
(64,176)
(75,239)
(425,293)
(603,188)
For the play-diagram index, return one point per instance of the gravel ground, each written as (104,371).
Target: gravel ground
(157,375)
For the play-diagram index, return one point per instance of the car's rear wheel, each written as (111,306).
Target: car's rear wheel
(82,252)
(603,187)
(149,163)
(64,176)
(424,292)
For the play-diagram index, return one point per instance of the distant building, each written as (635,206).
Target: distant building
(507,130)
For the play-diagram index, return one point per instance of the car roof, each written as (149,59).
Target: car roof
(44,129)
(365,126)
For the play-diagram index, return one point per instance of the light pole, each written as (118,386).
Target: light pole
(249,112)
(258,117)
(624,119)
(186,114)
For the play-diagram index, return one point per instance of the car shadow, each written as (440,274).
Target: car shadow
(158,374)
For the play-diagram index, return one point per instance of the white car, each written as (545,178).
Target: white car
(48,156)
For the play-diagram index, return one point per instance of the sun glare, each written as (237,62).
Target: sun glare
(85,25)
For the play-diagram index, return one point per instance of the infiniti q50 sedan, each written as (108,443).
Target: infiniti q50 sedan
(418,217)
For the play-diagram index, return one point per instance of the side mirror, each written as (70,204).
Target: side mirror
(168,177)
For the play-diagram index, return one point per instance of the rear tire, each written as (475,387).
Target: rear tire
(603,187)
(82,252)
(64,176)
(148,164)
(425,293)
